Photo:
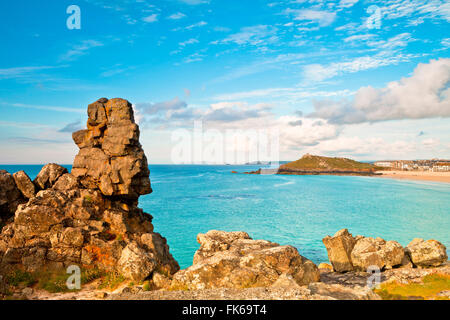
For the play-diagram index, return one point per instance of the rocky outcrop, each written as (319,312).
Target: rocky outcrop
(48,175)
(10,196)
(430,253)
(339,248)
(89,217)
(111,158)
(234,260)
(24,184)
(376,252)
(347,253)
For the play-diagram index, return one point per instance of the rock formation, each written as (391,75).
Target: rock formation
(10,196)
(339,248)
(376,252)
(426,253)
(348,253)
(234,260)
(24,184)
(88,217)
(111,158)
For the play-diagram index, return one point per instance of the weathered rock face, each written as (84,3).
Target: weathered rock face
(10,196)
(88,217)
(111,158)
(376,252)
(339,248)
(48,175)
(24,184)
(348,253)
(234,260)
(426,253)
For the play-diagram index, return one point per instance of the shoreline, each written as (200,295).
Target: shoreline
(442,177)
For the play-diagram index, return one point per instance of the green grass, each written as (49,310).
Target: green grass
(111,280)
(51,281)
(430,286)
(147,286)
(19,277)
(310,162)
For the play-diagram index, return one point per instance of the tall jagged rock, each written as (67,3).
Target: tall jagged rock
(89,217)
(111,158)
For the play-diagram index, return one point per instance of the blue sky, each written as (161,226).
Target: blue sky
(323,72)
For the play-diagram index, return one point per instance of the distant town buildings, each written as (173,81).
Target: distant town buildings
(434,165)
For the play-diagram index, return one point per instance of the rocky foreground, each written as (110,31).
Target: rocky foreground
(232,266)
(89,218)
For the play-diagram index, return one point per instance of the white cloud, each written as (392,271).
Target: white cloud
(318,72)
(80,49)
(194,2)
(42,107)
(151,18)
(254,35)
(22,72)
(187,42)
(426,94)
(445,43)
(368,148)
(359,37)
(400,40)
(322,18)
(286,93)
(431,143)
(176,16)
(196,25)
(347,3)
(416,9)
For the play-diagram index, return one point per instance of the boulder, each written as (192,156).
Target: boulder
(339,248)
(234,260)
(136,263)
(376,252)
(160,281)
(10,196)
(426,253)
(111,158)
(48,175)
(66,182)
(24,184)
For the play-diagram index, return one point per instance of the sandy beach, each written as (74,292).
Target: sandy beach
(417,175)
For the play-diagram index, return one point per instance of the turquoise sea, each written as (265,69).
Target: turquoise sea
(295,210)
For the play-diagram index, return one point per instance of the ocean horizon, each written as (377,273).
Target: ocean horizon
(289,210)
